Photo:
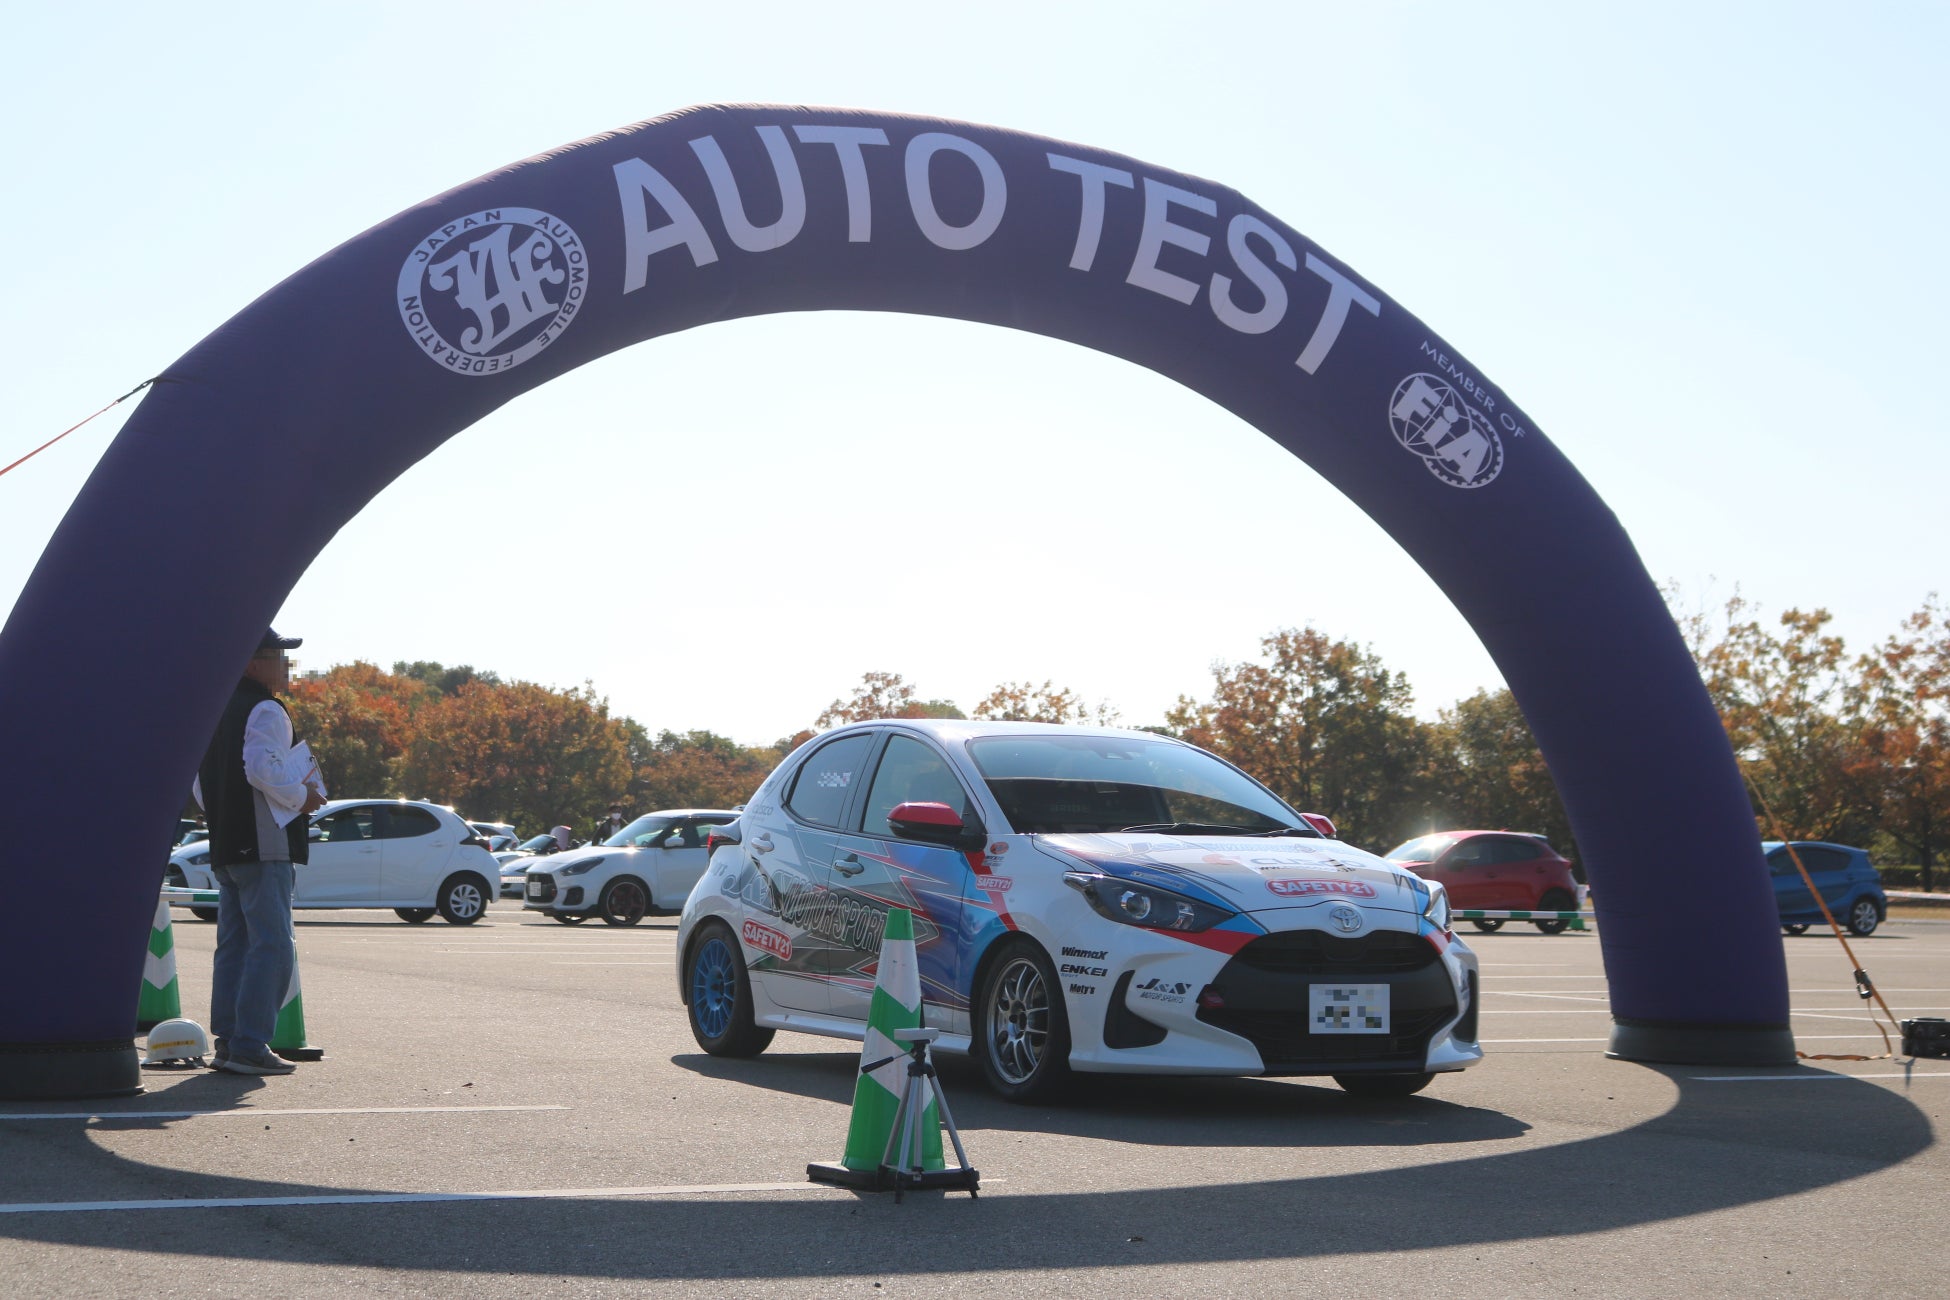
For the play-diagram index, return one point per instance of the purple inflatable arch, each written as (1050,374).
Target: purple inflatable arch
(324,390)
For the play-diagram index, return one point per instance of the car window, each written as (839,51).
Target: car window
(825,779)
(1065,783)
(1426,849)
(688,836)
(347,824)
(401,823)
(1472,853)
(910,772)
(1812,858)
(1513,849)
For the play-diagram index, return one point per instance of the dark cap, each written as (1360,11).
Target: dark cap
(272,641)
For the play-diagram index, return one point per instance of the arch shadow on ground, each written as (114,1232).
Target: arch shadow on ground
(1716,1148)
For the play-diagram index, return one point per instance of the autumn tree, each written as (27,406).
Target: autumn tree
(1486,771)
(357,719)
(1025,702)
(1326,725)
(519,752)
(883,695)
(1904,704)
(1792,708)
(439,679)
(698,769)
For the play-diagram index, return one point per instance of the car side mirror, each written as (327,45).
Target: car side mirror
(935,823)
(315,833)
(671,841)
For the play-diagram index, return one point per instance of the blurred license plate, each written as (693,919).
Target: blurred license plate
(534,889)
(1347,1008)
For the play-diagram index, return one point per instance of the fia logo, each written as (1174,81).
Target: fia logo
(486,292)
(1456,441)
(1348,920)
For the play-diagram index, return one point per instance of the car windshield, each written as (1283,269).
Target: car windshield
(1086,784)
(647,829)
(537,844)
(1426,849)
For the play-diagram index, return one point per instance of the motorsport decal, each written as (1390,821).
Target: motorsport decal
(490,290)
(994,884)
(1300,888)
(766,939)
(1457,442)
(1158,990)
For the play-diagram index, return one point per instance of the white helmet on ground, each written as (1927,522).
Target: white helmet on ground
(177,1042)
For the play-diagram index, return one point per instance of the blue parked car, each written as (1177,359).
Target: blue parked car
(1850,886)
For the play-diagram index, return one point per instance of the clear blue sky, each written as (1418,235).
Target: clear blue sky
(1700,244)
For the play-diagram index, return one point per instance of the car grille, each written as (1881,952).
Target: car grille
(1262,996)
(541,887)
(1309,952)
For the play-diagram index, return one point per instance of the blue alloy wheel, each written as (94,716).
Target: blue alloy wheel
(714,987)
(719,991)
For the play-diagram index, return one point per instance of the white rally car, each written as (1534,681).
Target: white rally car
(648,866)
(1084,899)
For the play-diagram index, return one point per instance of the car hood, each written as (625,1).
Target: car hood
(1248,874)
(556,861)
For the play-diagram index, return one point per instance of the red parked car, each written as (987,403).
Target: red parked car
(1495,871)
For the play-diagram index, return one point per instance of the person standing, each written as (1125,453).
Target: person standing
(611,824)
(257,807)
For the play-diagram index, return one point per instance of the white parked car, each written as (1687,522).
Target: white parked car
(500,836)
(649,865)
(416,858)
(1084,899)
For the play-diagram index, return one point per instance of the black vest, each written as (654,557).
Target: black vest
(241,828)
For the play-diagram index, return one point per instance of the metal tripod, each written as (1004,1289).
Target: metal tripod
(902,1167)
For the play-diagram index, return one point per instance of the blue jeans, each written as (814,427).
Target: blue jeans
(255,954)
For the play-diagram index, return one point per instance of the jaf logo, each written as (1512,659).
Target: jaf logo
(485,293)
(1454,440)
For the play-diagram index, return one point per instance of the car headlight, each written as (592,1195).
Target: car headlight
(1437,910)
(1147,906)
(580,867)
(200,860)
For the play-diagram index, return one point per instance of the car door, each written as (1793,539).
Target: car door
(1791,894)
(679,858)
(1829,868)
(1465,869)
(792,847)
(875,868)
(417,848)
(1514,875)
(344,859)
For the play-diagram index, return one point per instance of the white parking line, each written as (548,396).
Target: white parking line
(1799,1038)
(1813,1078)
(1563,997)
(251,1112)
(404,1198)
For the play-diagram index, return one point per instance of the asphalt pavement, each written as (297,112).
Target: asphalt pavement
(516,1108)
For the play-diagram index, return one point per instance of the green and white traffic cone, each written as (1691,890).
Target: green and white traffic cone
(896,1005)
(161,998)
(288,1035)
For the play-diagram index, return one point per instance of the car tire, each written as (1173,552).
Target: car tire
(1381,1086)
(1863,917)
(718,994)
(624,901)
(204,913)
(1488,926)
(1795,929)
(1022,1029)
(1554,900)
(570,918)
(414,915)
(463,898)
